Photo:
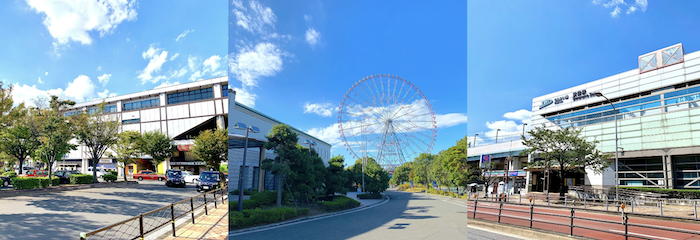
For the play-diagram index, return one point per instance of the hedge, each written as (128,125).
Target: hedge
(109,178)
(245,192)
(339,203)
(252,217)
(672,193)
(81,179)
(45,181)
(370,196)
(26,183)
(9,174)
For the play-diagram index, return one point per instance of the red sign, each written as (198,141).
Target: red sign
(184,148)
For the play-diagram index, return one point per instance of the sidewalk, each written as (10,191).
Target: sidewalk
(212,226)
(363,202)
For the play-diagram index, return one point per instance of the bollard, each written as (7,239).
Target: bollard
(547,199)
(206,212)
(572,222)
(172,217)
(531,206)
(141,224)
(606,204)
(192,207)
(632,205)
(520,199)
(476,200)
(661,207)
(214,198)
(585,203)
(500,208)
(695,207)
(565,200)
(624,218)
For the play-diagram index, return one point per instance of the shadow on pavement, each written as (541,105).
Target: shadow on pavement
(92,205)
(43,226)
(154,197)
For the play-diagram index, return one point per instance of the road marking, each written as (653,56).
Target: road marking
(497,232)
(643,235)
(309,220)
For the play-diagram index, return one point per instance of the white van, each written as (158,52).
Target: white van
(100,172)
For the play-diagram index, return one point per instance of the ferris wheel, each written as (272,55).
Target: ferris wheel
(388,119)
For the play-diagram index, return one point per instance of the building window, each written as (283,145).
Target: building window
(224,90)
(108,109)
(140,104)
(138,120)
(672,55)
(68,113)
(647,63)
(194,95)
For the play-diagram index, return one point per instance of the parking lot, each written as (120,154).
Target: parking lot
(64,214)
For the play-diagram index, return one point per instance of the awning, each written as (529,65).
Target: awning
(238,141)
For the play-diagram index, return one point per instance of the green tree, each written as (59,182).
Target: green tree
(21,137)
(336,178)
(376,178)
(421,166)
(6,104)
(283,141)
(401,174)
(454,160)
(211,146)
(126,149)
(56,133)
(157,145)
(307,173)
(96,131)
(439,173)
(566,150)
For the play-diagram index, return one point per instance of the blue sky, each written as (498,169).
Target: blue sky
(93,50)
(294,61)
(524,49)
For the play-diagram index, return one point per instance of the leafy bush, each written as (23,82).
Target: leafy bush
(26,183)
(245,192)
(9,174)
(81,179)
(339,203)
(403,187)
(672,193)
(110,177)
(268,197)
(1,182)
(44,181)
(370,196)
(251,217)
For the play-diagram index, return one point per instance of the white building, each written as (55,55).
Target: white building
(180,111)
(658,122)
(255,177)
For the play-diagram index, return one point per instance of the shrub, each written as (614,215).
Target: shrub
(26,183)
(81,179)
(268,197)
(1,182)
(251,217)
(370,196)
(44,181)
(339,203)
(247,204)
(403,187)
(111,172)
(302,211)
(110,177)
(9,174)
(245,191)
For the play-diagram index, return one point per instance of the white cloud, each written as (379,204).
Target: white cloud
(321,109)
(46,74)
(174,56)
(615,12)
(264,60)
(104,79)
(103,94)
(212,64)
(312,36)
(166,84)
(183,34)
(40,82)
(512,128)
(127,39)
(522,115)
(80,89)
(450,119)
(25,93)
(613,3)
(178,73)
(329,134)
(245,97)
(631,9)
(156,57)
(209,67)
(642,4)
(99,68)
(307,18)
(256,18)
(73,20)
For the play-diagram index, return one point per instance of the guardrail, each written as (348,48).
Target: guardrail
(137,227)
(472,213)
(648,207)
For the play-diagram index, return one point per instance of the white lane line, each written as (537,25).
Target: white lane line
(499,233)
(643,235)
(308,220)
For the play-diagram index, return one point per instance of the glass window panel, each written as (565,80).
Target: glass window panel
(672,61)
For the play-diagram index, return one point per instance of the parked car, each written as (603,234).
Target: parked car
(24,169)
(149,175)
(100,172)
(35,173)
(175,178)
(64,176)
(209,180)
(189,177)
(6,181)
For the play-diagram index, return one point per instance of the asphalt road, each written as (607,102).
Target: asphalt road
(405,216)
(64,214)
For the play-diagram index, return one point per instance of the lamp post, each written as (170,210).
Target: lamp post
(241,126)
(524,124)
(497,130)
(617,181)
(310,143)
(476,134)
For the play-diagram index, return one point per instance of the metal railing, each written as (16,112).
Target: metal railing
(473,210)
(146,223)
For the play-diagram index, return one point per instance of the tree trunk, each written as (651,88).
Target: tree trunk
(563,189)
(94,170)
(21,162)
(124,172)
(279,191)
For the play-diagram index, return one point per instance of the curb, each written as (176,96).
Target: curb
(13,193)
(520,231)
(271,225)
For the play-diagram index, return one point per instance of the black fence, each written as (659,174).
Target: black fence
(137,227)
(473,211)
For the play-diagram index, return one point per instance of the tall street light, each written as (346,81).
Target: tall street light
(524,124)
(497,130)
(617,181)
(476,134)
(310,143)
(241,126)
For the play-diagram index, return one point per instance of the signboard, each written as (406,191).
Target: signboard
(485,161)
(411,183)
(188,163)
(184,148)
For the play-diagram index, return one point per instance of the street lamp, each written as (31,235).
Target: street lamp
(310,143)
(476,134)
(524,124)
(241,126)
(497,130)
(617,181)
